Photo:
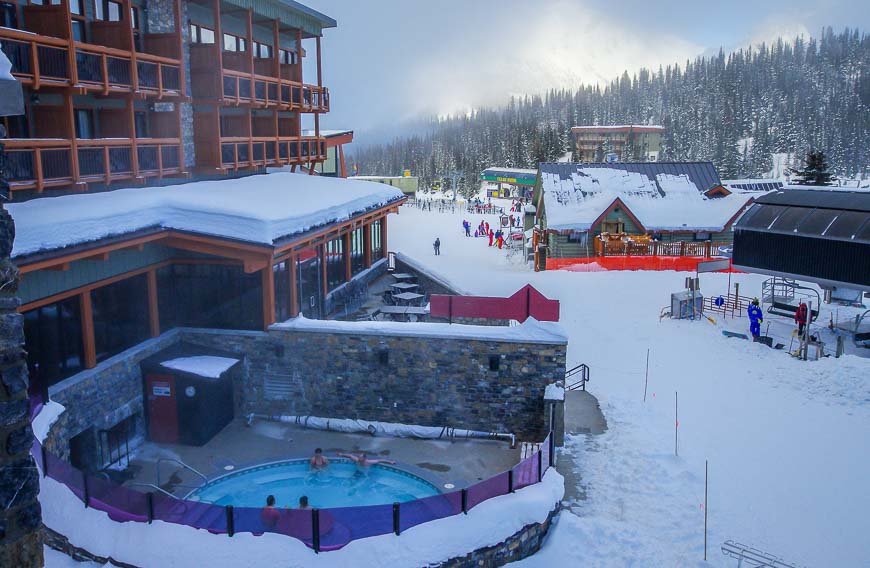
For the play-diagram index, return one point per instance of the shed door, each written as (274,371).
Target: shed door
(162,408)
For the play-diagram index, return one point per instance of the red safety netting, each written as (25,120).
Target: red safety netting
(607,263)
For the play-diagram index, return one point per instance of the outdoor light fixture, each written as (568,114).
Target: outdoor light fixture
(383,357)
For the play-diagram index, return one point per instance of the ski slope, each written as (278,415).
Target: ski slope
(785,439)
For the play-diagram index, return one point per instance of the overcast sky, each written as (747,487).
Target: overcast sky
(389,61)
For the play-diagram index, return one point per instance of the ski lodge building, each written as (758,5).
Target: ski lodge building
(135,206)
(150,92)
(643,212)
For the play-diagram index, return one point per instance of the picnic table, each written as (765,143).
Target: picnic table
(407,297)
(404,276)
(409,313)
(404,286)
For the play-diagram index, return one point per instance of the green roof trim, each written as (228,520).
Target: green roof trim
(291,13)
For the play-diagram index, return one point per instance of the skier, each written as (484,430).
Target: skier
(491,236)
(755,319)
(800,318)
(467,226)
(437,245)
(500,241)
(486,224)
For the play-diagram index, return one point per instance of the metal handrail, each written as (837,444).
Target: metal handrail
(152,486)
(583,370)
(182,464)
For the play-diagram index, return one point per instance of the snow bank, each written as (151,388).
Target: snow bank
(43,421)
(554,391)
(786,439)
(207,366)
(257,209)
(168,545)
(666,203)
(5,67)
(530,331)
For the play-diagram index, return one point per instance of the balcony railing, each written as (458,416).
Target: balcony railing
(44,61)
(655,248)
(243,88)
(240,152)
(36,60)
(41,163)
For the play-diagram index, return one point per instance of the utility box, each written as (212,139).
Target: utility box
(188,393)
(681,305)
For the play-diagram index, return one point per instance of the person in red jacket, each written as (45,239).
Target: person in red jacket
(800,317)
(491,236)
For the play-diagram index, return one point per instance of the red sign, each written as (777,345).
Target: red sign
(524,303)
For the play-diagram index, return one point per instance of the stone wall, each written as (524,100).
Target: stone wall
(101,397)
(430,381)
(521,544)
(20,513)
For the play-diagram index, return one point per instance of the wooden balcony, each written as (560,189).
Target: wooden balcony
(656,248)
(241,88)
(49,163)
(41,61)
(243,152)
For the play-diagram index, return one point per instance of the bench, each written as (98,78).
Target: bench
(788,310)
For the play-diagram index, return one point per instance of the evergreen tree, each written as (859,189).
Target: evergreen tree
(737,110)
(814,172)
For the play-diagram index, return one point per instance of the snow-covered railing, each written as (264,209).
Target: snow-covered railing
(319,529)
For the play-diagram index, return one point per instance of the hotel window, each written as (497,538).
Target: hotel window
(140,119)
(84,119)
(287,57)
(201,34)
(53,341)
(234,43)
(108,10)
(209,295)
(335,275)
(377,245)
(281,274)
(8,15)
(357,251)
(262,50)
(120,316)
(134,23)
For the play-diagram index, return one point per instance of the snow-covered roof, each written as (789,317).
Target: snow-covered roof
(257,209)
(512,171)
(576,196)
(754,185)
(530,331)
(208,366)
(325,133)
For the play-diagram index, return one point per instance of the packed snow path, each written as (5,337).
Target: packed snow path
(786,439)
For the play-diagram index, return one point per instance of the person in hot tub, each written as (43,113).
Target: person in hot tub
(362,461)
(318,460)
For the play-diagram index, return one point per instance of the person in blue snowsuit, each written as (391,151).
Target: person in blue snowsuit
(755,318)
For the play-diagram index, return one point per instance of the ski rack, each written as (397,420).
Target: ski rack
(753,557)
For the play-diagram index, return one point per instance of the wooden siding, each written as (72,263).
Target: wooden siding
(44,283)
